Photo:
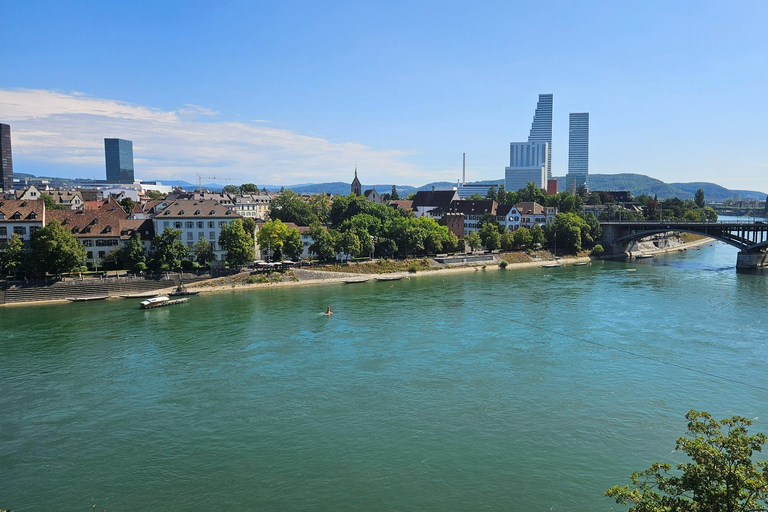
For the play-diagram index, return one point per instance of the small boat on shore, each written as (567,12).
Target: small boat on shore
(356,281)
(157,302)
(581,264)
(140,295)
(643,256)
(551,265)
(390,278)
(86,299)
(181,291)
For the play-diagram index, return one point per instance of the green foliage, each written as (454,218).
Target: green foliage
(523,238)
(349,244)
(537,235)
(238,243)
(249,188)
(135,254)
(127,203)
(292,245)
(249,225)
(490,237)
(55,250)
(271,237)
(699,198)
(12,259)
(531,193)
(155,195)
(230,189)
(721,475)
(323,242)
(203,252)
(51,204)
(320,204)
(473,240)
(507,240)
(503,264)
(290,207)
(597,251)
(394,195)
(169,249)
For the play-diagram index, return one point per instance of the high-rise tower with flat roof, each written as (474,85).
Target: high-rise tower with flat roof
(541,128)
(6,158)
(118,154)
(578,151)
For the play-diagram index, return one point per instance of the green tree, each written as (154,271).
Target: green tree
(508,240)
(394,195)
(127,203)
(238,243)
(320,204)
(490,237)
(249,188)
(531,193)
(51,204)
(230,189)
(473,240)
(203,252)
(135,257)
(271,237)
(721,476)
(290,207)
(169,249)
(322,241)
(492,194)
(699,199)
(249,225)
(522,237)
(349,244)
(292,245)
(710,214)
(55,250)
(537,236)
(155,195)
(14,255)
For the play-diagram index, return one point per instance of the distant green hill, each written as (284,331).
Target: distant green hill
(641,184)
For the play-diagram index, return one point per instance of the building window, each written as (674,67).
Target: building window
(199,224)
(212,235)
(20,230)
(189,224)
(102,254)
(3,231)
(166,224)
(222,223)
(88,243)
(210,223)
(177,224)
(190,235)
(200,235)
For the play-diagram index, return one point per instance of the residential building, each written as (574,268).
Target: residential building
(473,212)
(21,217)
(527,163)
(118,154)
(197,219)
(541,127)
(6,159)
(72,199)
(425,201)
(508,216)
(30,193)
(255,206)
(373,196)
(102,231)
(533,213)
(578,152)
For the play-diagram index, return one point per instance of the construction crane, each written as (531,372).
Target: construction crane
(201,178)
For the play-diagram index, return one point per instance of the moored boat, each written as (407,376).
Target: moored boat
(356,281)
(86,299)
(551,265)
(156,302)
(390,278)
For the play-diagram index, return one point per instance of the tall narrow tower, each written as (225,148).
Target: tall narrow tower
(541,128)
(578,151)
(6,158)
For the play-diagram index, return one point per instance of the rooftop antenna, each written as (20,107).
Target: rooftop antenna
(464,170)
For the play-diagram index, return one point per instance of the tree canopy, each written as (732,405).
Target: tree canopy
(720,477)
(290,207)
(56,250)
(238,243)
(169,249)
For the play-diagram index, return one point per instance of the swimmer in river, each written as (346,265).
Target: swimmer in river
(328,311)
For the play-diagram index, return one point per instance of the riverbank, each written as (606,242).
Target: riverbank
(674,244)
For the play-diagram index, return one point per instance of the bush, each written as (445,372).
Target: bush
(413,267)
(503,264)
(597,251)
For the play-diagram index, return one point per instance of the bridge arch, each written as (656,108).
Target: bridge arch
(638,235)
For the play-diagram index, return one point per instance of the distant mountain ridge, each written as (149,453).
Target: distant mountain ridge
(636,183)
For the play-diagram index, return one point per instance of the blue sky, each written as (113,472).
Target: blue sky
(293,92)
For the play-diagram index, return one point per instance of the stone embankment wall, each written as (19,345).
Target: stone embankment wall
(18,292)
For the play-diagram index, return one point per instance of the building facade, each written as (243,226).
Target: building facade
(541,127)
(578,151)
(20,217)
(6,159)
(118,154)
(528,161)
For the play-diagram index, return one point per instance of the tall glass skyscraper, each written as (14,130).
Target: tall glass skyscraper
(118,154)
(541,128)
(578,151)
(6,158)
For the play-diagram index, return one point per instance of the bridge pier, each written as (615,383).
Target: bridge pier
(751,259)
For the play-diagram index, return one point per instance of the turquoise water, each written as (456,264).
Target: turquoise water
(492,390)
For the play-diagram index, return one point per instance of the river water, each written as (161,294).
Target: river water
(527,390)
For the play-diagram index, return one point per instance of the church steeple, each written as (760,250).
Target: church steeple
(356,188)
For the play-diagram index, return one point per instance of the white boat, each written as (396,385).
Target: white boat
(156,302)
(551,265)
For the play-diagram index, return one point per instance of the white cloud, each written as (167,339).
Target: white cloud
(69,128)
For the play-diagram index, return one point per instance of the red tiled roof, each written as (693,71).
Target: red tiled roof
(27,209)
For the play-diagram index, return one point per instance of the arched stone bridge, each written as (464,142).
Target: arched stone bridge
(751,238)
